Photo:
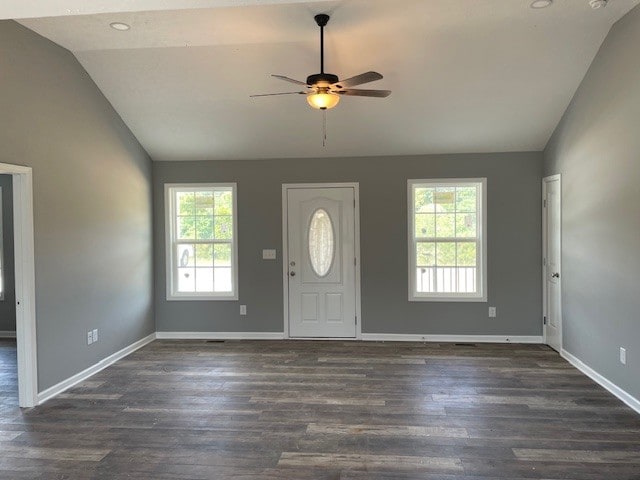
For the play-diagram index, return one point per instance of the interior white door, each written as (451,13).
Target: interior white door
(321,262)
(553,270)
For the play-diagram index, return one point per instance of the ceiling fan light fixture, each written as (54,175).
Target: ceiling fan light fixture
(323,100)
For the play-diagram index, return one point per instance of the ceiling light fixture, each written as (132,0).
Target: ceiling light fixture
(323,99)
(122,27)
(537,4)
(596,4)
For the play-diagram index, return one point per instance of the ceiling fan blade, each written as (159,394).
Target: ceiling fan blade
(365,93)
(290,80)
(273,94)
(359,80)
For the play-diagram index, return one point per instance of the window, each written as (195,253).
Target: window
(447,240)
(202,243)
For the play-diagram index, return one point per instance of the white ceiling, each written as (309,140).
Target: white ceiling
(466,75)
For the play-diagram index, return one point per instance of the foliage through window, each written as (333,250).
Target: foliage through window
(201,242)
(446,239)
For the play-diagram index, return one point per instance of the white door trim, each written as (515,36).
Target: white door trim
(25,282)
(285,249)
(545,180)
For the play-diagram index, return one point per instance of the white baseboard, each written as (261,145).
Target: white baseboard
(394,337)
(219,335)
(626,397)
(92,370)
(7,334)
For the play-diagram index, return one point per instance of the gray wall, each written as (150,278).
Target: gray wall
(8,305)
(596,148)
(92,204)
(514,248)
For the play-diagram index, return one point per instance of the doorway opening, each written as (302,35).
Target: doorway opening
(26,352)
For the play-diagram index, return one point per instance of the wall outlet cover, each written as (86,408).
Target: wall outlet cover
(89,337)
(269,254)
(623,356)
(492,312)
(243,309)
(95,335)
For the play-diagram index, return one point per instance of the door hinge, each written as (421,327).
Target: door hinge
(355,261)
(356,319)
(354,203)
(544,203)
(544,320)
(544,262)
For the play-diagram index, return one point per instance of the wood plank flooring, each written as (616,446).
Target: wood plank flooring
(323,410)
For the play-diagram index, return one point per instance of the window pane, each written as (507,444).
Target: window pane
(445,199)
(425,224)
(423,200)
(467,254)
(204,228)
(466,199)
(446,254)
(185,256)
(222,279)
(186,202)
(425,254)
(445,225)
(204,255)
(204,203)
(186,228)
(204,279)
(223,227)
(222,254)
(186,280)
(466,225)
(425,280)
(223,203)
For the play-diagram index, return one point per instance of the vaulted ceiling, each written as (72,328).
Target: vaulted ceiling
(466,75)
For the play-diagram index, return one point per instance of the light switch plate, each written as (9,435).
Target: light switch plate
(89,337)
(95,335)
(268,254)
(623,356)
(243,309)
(492,312)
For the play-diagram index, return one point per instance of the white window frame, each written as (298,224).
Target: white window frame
(170,235)
(481,276)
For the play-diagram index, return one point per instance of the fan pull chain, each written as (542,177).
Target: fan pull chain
(324,128)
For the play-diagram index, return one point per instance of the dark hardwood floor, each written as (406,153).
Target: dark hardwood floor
(323,410)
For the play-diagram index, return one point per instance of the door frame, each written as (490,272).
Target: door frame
(285,250)
(25,282)
(545,181)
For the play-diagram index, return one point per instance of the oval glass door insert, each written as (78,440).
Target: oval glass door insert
(321,242)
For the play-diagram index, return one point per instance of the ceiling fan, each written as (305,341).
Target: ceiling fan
(325,89)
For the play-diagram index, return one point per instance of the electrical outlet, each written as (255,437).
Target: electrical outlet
(95,335)
(89,337)
(492,312)
(243,309)
(623,356)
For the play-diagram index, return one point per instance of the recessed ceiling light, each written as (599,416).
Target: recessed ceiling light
(541,3)
(119,26)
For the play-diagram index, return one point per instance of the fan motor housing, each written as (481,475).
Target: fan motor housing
(316,78)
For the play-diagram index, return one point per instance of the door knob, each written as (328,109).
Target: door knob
(555,275)
(293,274)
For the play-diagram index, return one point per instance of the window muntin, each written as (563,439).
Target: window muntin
(201,242)
(447,251)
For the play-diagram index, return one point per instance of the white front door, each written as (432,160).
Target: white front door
(321,261)
(552,262)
